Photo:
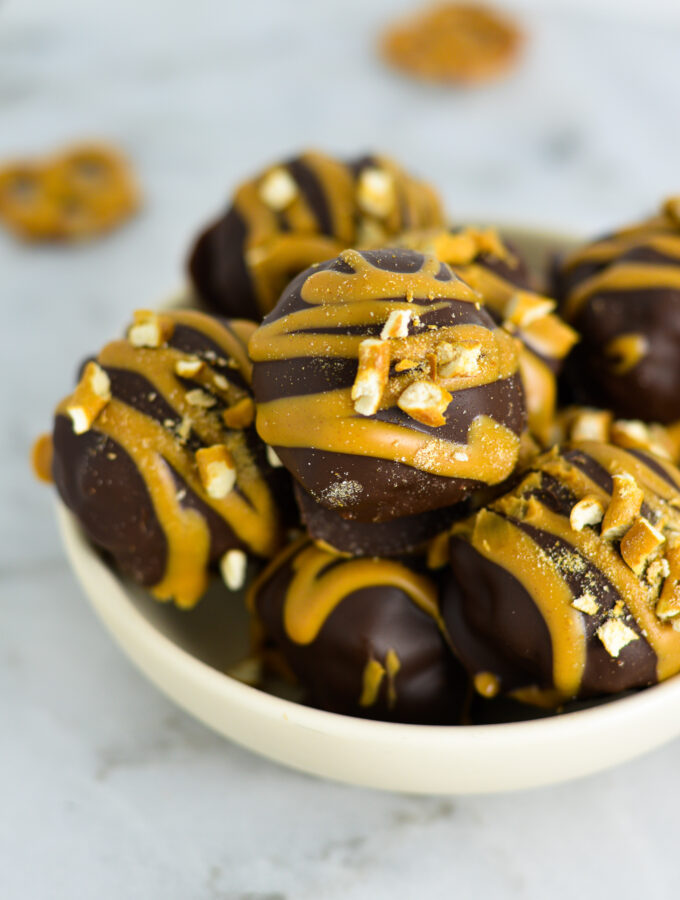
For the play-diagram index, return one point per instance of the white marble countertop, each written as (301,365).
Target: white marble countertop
(106,789)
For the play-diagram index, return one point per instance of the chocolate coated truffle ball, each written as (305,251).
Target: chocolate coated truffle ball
(569,585)
(490,265)
(622,293)
(361,635)
(392,538)
(298,212)
(156,456)
(385,388)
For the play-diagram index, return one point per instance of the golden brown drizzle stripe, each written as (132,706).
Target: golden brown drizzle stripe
(327,420)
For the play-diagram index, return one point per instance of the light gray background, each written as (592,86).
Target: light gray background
(106,790)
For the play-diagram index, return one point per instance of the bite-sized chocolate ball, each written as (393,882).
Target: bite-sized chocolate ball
(298,212)
(385,388)
(569,585)
(622,293)
(362,636)
(392,538)
(156,455)
(493,267)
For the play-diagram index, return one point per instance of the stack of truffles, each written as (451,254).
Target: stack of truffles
(429,474)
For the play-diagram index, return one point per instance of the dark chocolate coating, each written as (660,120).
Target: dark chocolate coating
(390,489)
(649,389)
(492,618)
(392,538)
(100,483)
(429,686)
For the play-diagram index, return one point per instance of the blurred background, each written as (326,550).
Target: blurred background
(106,790)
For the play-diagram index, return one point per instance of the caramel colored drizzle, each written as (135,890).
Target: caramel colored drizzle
(496,534)
(274,251)
(313,594)
(41,458)
(328,420)
(157,453)
(372,679)
(505,544)
(660,234)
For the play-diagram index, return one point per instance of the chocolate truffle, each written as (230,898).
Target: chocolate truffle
(395,537)
(362,636)
(155,454)
(622,293)
(303,210)
(493,267)
(385,388)
(569,585)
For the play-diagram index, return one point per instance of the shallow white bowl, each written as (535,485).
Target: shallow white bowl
(186,655)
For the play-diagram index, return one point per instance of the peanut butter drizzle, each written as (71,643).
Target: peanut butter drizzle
(367,282)
(271,251)
(660,233)
(313,594)
(328,420)
(41,458)
(625,351)
(372,679)
(156,452)
(505,544)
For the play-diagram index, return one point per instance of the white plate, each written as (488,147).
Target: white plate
(186,656)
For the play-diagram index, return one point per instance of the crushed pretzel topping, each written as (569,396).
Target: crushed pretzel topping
(273,458)
(376,192)
(188,368)
(458,360)
(89,398)
(624,506)
(640,543)
(200,398)
(591,425)
(149,329)
(233,567)
(240,415)
(278,189)
(524,308)
(396,325)
(587,604)
(426,402)
(372,376)
(588,511)
(615,635)
(217,470)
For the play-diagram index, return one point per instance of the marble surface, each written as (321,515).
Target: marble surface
(106,789)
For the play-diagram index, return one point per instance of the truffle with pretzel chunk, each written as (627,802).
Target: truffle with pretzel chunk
(385,388)
(362,636)
(155,454)
(568,586)
(492,267)
(622,293)
(297,212)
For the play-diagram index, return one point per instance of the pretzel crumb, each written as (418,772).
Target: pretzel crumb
(426,402)
(372,376)
(149,329)
(89,398)
(624,506)
(615,635)
(588,511)
(233,566)
(217,470)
